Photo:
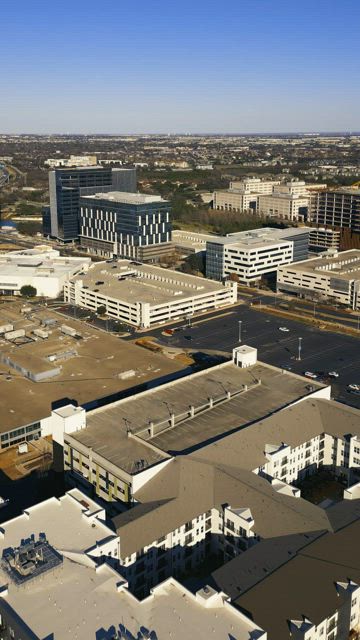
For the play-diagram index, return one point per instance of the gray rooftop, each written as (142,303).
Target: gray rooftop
(124,280)
(268,389)
(310,579)
(344,265)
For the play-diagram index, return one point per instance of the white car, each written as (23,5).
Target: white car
(284,329)
(310,374)
(354,387)
(333,374)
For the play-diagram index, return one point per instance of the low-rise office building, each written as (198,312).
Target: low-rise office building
(242,195)
(129,225)
(188,242)
(146,295)
(249,255)
(334,277)
(284,206)
(41,268)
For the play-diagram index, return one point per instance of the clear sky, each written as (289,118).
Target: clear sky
(122,66)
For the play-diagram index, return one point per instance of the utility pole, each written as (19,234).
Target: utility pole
(240,323)
(299,349)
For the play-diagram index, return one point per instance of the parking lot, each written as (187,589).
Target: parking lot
(321,351)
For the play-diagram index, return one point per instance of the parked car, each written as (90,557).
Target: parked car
(310,374)
(354,387)
(284,329)
(333,374)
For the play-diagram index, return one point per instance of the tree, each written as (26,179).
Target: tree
(101,310)
(27,291)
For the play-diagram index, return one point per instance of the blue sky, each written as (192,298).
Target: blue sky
(116,66)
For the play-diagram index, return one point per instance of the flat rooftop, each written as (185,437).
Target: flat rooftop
(268,389)
(191,239)
(125,197)
(95,599)
(95,371)
(343,264)
(37,265)
(260,237)
(129,281)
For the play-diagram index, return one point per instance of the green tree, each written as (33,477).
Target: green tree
(101,310)
(27,291)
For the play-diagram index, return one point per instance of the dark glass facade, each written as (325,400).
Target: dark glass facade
(66,186)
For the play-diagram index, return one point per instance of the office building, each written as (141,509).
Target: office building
(73,161)
(338,208)
(333,276)
(41,267)
(242,195)
(284,206)
(145,295)
(129,225)
(188,242)
(61,220)
(322,238)
(250,255)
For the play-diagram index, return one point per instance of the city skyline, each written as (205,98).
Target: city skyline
(248,67)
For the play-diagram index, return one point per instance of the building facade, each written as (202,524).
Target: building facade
(146,295)
(324,238)
(61,220)
(135,226)
(337,208)
(334,277)
(252,254)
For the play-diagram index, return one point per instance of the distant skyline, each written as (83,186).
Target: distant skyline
(156,66)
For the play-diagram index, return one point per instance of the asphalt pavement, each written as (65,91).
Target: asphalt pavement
(321,351)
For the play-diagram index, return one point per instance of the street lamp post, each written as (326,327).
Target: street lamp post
(299,349)
(240,323)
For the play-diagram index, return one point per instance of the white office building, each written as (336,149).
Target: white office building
(42,268)
(333,276)
(242,195)
(249,255)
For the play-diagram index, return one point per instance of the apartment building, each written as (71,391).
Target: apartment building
(146,295)
(131,225)
(321,600)
(334,277)
(61,219)
(339,208)
(252,254)
(65,542)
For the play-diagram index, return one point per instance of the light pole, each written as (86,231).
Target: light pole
(240,323)
(299,349)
